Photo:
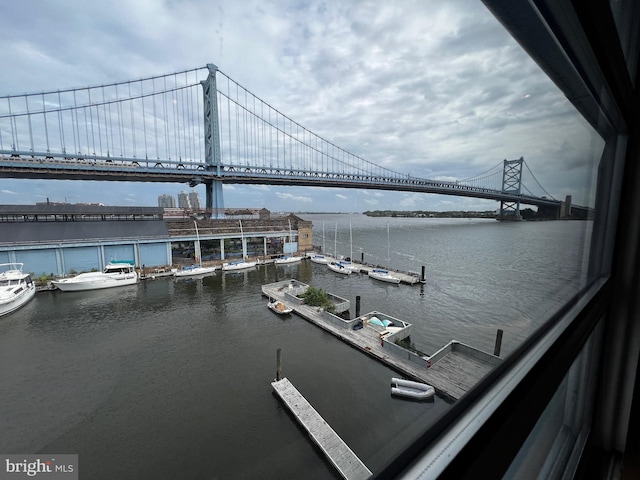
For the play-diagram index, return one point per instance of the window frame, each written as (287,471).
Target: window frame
(577,45)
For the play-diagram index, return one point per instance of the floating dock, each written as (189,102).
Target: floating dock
(338,452)
(452,370)
(409,278)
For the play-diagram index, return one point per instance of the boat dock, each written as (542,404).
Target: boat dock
(338,452)
(452,371)
(409,278)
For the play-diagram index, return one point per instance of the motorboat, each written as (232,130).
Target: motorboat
(279,307)
(320,259)
(410,389)
(383,275)
(16,287)
(192,270)
(113,275)
(237,265)
(286,259)
(339,268)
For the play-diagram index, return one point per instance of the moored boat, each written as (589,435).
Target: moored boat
(411,389)
(286,259)
(339,268)
(350,265)
(320,259)
(193,270)
(383,275)
(237,265)
(16,287)
(279,307)
(113,275)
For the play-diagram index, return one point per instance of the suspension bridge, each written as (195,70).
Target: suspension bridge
(201,127)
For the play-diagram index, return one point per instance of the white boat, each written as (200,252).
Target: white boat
(383,275)
(286,259)
(350,265)
(237,265)
(339,268)
(279,307)
(16,287)
(410,389)
(113,275)
(320,259)
(193,270)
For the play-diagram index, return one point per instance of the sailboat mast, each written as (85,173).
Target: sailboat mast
(197,251)
(388,245)
(350,243)
(335,243)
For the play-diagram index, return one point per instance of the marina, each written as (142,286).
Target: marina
(452,370)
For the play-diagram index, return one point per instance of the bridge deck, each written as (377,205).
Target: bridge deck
(338,452)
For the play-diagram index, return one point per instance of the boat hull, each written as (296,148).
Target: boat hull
(235,266)
(319,259)
(96,282)
(191,272)
(338,268)
(287,260)
(279,307)
(383,276)
(13,303)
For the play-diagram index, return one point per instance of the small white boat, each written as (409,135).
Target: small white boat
(279,307)
(383,275)
(286,259)
(339,268)
(410,389)
(350,265)
(320,259)
(16,287)
(113,275)
(194,270)
(237,265)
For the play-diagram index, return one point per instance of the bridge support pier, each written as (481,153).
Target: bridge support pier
(214,199)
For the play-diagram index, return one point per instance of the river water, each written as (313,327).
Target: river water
(171,378)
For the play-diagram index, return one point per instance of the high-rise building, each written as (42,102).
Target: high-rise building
(166,201)
(194,200)
(183,200)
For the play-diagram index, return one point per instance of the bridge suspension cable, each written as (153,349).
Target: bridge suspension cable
(255,134)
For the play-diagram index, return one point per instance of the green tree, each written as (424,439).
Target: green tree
(316,297)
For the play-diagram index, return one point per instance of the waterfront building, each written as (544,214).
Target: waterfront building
(63,239)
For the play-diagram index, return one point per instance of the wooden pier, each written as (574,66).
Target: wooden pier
(452,371)
(338,452)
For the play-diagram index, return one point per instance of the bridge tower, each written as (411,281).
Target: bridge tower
(214,196)
(511,183)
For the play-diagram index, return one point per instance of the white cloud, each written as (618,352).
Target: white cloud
(428,88)
(293,198)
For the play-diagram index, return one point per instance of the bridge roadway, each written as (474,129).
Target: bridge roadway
(72,167)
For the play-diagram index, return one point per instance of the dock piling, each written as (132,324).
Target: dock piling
(357,305)
(278,365)
(496,350)
(423,277)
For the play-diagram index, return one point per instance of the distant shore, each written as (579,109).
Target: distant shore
(429,214)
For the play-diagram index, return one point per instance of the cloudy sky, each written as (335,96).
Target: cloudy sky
(435,89)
